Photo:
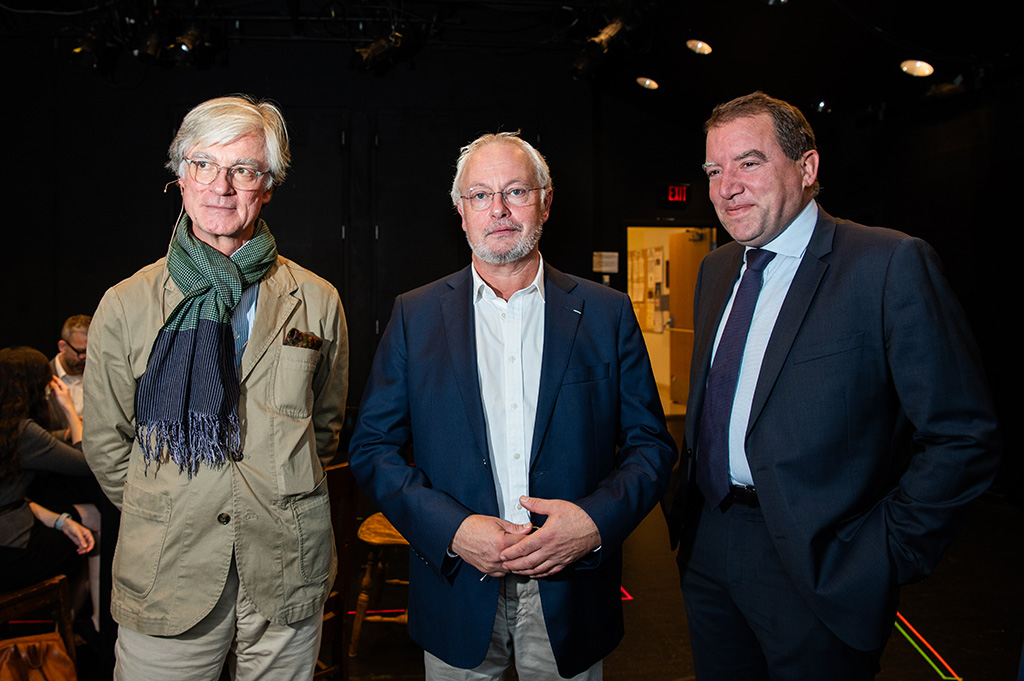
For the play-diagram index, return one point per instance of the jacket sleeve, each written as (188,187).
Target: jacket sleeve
(426,517)
(939,379)
(38,449)
(646,451)
(109,396)
(330,383)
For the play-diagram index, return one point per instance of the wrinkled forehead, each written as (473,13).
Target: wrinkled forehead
(249,147)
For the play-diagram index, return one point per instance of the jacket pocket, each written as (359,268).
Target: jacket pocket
(585,374)
(313,525)
(293,381)
(144,521)
(818,350)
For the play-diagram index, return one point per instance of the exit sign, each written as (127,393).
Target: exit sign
(672,196)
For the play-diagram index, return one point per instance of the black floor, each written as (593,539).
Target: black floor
(971,611)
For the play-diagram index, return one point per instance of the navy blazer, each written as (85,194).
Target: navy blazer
(599,441)
(871,426)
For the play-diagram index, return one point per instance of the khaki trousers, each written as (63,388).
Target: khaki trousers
(519,636)
(253,647)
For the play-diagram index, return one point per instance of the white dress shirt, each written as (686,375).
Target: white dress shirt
(509,348)
(789,248)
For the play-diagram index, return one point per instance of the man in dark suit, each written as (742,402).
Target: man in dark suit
(834,444)
(526,399)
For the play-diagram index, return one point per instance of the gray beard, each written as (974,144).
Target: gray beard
(520,250)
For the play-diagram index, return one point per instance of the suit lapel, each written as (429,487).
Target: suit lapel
(794,309)
(562,314)
(460,335)
(714,300)
(172,295)
(274,306)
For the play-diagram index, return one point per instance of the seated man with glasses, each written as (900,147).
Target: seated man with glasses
(216,393)
(539,440)
(68,365)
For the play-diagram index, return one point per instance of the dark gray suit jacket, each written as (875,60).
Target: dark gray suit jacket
(871,427)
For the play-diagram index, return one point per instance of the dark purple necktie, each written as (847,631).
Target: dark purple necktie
(713,437)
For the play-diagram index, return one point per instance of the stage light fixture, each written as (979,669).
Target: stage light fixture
(698,46)
(917,68)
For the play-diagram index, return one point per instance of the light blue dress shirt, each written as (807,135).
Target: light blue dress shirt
(789,248)
(241,322)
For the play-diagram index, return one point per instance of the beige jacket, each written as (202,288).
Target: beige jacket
(271,507)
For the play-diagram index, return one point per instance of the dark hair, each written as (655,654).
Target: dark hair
(24,375)
(792,131)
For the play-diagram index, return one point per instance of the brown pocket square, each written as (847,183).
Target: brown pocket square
(301,339)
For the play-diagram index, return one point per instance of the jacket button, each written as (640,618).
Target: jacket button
(224,519)
(237,456)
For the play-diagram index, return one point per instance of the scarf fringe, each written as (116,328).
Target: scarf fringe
(201,439)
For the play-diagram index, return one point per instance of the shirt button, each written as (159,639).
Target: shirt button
(511,358)
(515,405)
(516,456)
(224,519)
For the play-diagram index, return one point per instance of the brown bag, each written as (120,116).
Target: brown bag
(36,658)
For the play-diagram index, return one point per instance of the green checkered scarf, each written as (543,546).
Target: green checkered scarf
(186,404)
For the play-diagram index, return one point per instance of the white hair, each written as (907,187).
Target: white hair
(226,119)
(540,166)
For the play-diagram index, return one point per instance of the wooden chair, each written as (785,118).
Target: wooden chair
(51,598)
(380,536)
(341,487)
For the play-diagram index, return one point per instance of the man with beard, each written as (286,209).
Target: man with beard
(539,441)
(69,364)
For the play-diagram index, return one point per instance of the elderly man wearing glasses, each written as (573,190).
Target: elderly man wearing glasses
(216,391)
(539,443)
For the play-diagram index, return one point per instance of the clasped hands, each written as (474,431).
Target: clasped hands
(497,547)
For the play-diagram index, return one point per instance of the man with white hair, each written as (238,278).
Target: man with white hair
(216,387)
(539,442)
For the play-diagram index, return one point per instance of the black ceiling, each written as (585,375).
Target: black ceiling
(842,54)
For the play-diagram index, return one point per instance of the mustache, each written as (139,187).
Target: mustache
(503,223)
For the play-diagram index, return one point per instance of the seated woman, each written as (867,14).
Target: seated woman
(34,539)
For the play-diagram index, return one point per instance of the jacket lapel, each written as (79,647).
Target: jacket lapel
(562,314)
(460,335)
(274,306)
(714,300)
(794,309)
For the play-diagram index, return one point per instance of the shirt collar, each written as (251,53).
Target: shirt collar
(481,289)
(61,372)
(793,240)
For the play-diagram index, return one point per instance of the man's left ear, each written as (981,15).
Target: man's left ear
(269,194)
(809,167)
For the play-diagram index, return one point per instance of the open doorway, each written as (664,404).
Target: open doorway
(662,271)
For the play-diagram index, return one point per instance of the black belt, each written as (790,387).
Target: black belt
(743,495)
